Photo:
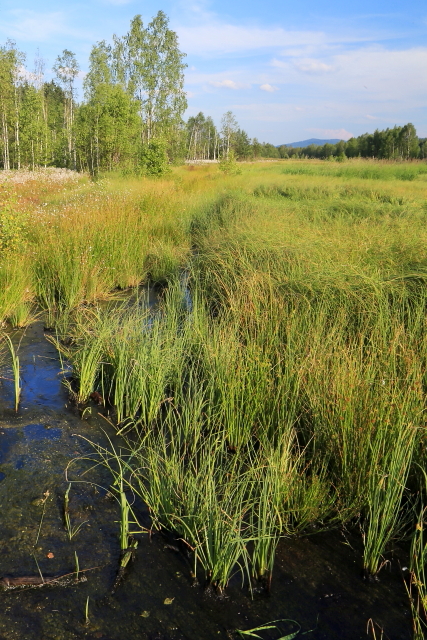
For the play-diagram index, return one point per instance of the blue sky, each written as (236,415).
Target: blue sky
(288,70)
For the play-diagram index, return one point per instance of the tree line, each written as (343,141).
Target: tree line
(131,114)
(398,143)
(206,142)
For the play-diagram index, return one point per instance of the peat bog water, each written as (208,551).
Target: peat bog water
(316,581)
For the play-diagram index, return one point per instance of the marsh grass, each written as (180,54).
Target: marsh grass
(23,315)
(87,356)
(380,170)
(287,394)
(73,251)
(391,459)
(416,586)
(265,516)
(15,287)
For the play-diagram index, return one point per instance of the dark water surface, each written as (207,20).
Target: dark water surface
(317,579)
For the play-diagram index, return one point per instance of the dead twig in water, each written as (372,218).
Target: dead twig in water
(38,581)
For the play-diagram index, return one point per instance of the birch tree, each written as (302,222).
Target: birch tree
(66,68)
(201,138)
(148,61)
(108,122)
(10,62)
(229,129)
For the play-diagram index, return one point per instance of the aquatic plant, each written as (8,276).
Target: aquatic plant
(71,530)
(253,633)
(87,611)
(77,565)
(15,369)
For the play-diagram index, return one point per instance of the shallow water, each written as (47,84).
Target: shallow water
(317,578)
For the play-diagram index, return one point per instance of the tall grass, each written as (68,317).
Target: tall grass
(16,371)
(15,287)
(73,250)
(417,586)
(389,469)
(289,395)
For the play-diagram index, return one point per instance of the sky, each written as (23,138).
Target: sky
(287,70)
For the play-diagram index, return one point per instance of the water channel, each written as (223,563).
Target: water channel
(317,578)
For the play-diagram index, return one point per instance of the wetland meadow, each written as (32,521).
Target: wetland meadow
(212,402)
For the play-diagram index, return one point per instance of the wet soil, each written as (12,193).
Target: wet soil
(317,579)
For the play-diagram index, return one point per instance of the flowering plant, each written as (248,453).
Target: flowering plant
(13,223)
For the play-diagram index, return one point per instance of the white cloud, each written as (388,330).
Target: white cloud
(366,74)
(30,25)
(310,66)
(387,75)
(395,79)
(342,134)
(299,52)
(267,112)
(26,25)
(209,34)
(313,66)
(280,64)
(371,117)
(216,37)
(269,87)
(26,75)
(228,84)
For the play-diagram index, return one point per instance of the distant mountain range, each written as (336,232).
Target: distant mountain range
(306,143)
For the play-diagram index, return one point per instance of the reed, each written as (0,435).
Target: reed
(86,352)
(389,472)
(265,521)
(215,527)
(87,620)
(15,370)
(77,565)
(416,585)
